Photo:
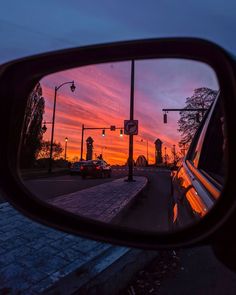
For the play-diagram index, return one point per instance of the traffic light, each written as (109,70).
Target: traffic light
(165,118)
(121,132)
(103,132)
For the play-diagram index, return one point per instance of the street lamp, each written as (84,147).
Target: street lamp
(44,128)
(72,87)
(66,140)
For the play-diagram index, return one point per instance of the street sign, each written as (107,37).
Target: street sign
(131,127)
(113,128)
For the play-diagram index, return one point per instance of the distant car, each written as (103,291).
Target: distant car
(95,168)
(75,167)
(197,184)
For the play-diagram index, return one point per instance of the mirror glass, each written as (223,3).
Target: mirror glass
(139,143)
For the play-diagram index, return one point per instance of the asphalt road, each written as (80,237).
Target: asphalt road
(150,212)
(50,187)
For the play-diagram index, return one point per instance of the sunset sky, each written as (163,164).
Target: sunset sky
(102,99)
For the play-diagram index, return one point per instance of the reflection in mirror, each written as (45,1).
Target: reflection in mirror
(114,142)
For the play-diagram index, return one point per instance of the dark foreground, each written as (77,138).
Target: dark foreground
(194,271)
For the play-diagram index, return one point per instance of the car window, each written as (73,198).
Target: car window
(196,147)
(212,160)
(208,155)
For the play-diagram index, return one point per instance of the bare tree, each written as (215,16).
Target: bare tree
(44,151)
(202,98)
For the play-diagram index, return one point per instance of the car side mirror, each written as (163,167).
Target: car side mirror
(121,91)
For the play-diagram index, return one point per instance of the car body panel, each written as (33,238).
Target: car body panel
(75,167)
(195,191)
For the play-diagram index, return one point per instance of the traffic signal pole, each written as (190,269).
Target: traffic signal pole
(112,128)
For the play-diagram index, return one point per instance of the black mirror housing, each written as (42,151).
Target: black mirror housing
(18,78)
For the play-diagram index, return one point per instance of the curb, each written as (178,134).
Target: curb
(108,274)
(116,219)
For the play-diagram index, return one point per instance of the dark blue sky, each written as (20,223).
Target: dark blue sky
(29,27)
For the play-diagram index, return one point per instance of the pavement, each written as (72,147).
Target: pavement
(102,202)
(35,259)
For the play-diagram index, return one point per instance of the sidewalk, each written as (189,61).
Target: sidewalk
(102,202)
(35,259)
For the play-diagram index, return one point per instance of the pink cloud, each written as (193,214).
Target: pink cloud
(102,99)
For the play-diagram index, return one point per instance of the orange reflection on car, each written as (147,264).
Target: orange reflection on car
(196,202)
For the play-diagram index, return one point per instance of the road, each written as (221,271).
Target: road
(150,212)
(50,187)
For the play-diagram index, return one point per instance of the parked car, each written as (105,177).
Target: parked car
(95,168)
(198,182)
(75,167)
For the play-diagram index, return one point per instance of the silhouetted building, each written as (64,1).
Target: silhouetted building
(89,143)
(141,161)
(158,152)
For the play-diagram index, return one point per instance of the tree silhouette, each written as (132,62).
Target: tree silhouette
(189,121)
(44,151)
(32,130)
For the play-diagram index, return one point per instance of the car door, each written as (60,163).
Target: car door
(199,181)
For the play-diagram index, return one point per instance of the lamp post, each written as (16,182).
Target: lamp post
(44,128)
(66,140)
(72,87)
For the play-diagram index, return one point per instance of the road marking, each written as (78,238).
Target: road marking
(54,180)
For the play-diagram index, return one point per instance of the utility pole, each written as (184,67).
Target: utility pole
(131,147)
